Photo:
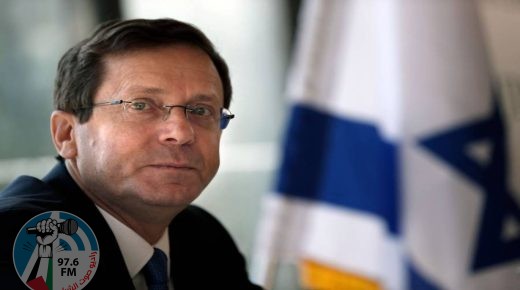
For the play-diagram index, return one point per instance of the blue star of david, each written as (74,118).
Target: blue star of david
(499,204)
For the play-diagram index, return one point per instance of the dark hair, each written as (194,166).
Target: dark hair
(80,70)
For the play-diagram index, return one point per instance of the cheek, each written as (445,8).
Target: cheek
(212,154)
(117,147)
(84,142)
(104,147)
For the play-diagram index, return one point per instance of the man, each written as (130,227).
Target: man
(139,111)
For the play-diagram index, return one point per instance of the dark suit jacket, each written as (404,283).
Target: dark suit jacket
(203,254)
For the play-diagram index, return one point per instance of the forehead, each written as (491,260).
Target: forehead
(175,70)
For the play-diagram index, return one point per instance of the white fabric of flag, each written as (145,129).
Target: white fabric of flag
(397,160)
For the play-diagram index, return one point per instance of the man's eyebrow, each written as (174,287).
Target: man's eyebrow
(204,97)
(145,90)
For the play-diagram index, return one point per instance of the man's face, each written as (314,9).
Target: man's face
(158,162)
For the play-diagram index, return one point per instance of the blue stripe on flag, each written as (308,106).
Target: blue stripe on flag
(342,162)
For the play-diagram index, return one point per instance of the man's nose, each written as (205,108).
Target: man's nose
(176,128)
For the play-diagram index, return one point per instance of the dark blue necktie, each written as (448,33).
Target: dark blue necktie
(155,271)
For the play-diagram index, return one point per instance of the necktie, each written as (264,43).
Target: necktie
(155,271)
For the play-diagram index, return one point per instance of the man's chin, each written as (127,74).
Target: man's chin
(169,199)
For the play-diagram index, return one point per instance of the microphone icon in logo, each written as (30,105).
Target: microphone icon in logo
(67,227)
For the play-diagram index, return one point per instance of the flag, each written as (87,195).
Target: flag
(398,159)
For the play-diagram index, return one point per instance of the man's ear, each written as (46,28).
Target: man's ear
(62,133)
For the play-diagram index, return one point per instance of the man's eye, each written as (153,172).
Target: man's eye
(140,106)
(200,110)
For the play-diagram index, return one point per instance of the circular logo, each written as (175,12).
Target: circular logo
(56,250)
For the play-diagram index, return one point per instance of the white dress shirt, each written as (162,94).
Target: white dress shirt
(136,250)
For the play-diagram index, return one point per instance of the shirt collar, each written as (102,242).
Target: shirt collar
(136,250)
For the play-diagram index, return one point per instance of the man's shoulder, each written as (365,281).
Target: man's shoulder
(21,200)
(26,197)
(195,211)
(26,192)
(21,185)
(195,217)
(56,191)
(196,228)
(198,244)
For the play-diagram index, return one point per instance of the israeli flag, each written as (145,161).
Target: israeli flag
(398,165)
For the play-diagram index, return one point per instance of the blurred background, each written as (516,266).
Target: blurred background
(390,76)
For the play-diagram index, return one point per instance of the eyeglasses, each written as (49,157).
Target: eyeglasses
(143,110)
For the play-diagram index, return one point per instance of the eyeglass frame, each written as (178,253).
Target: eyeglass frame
(225,114)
